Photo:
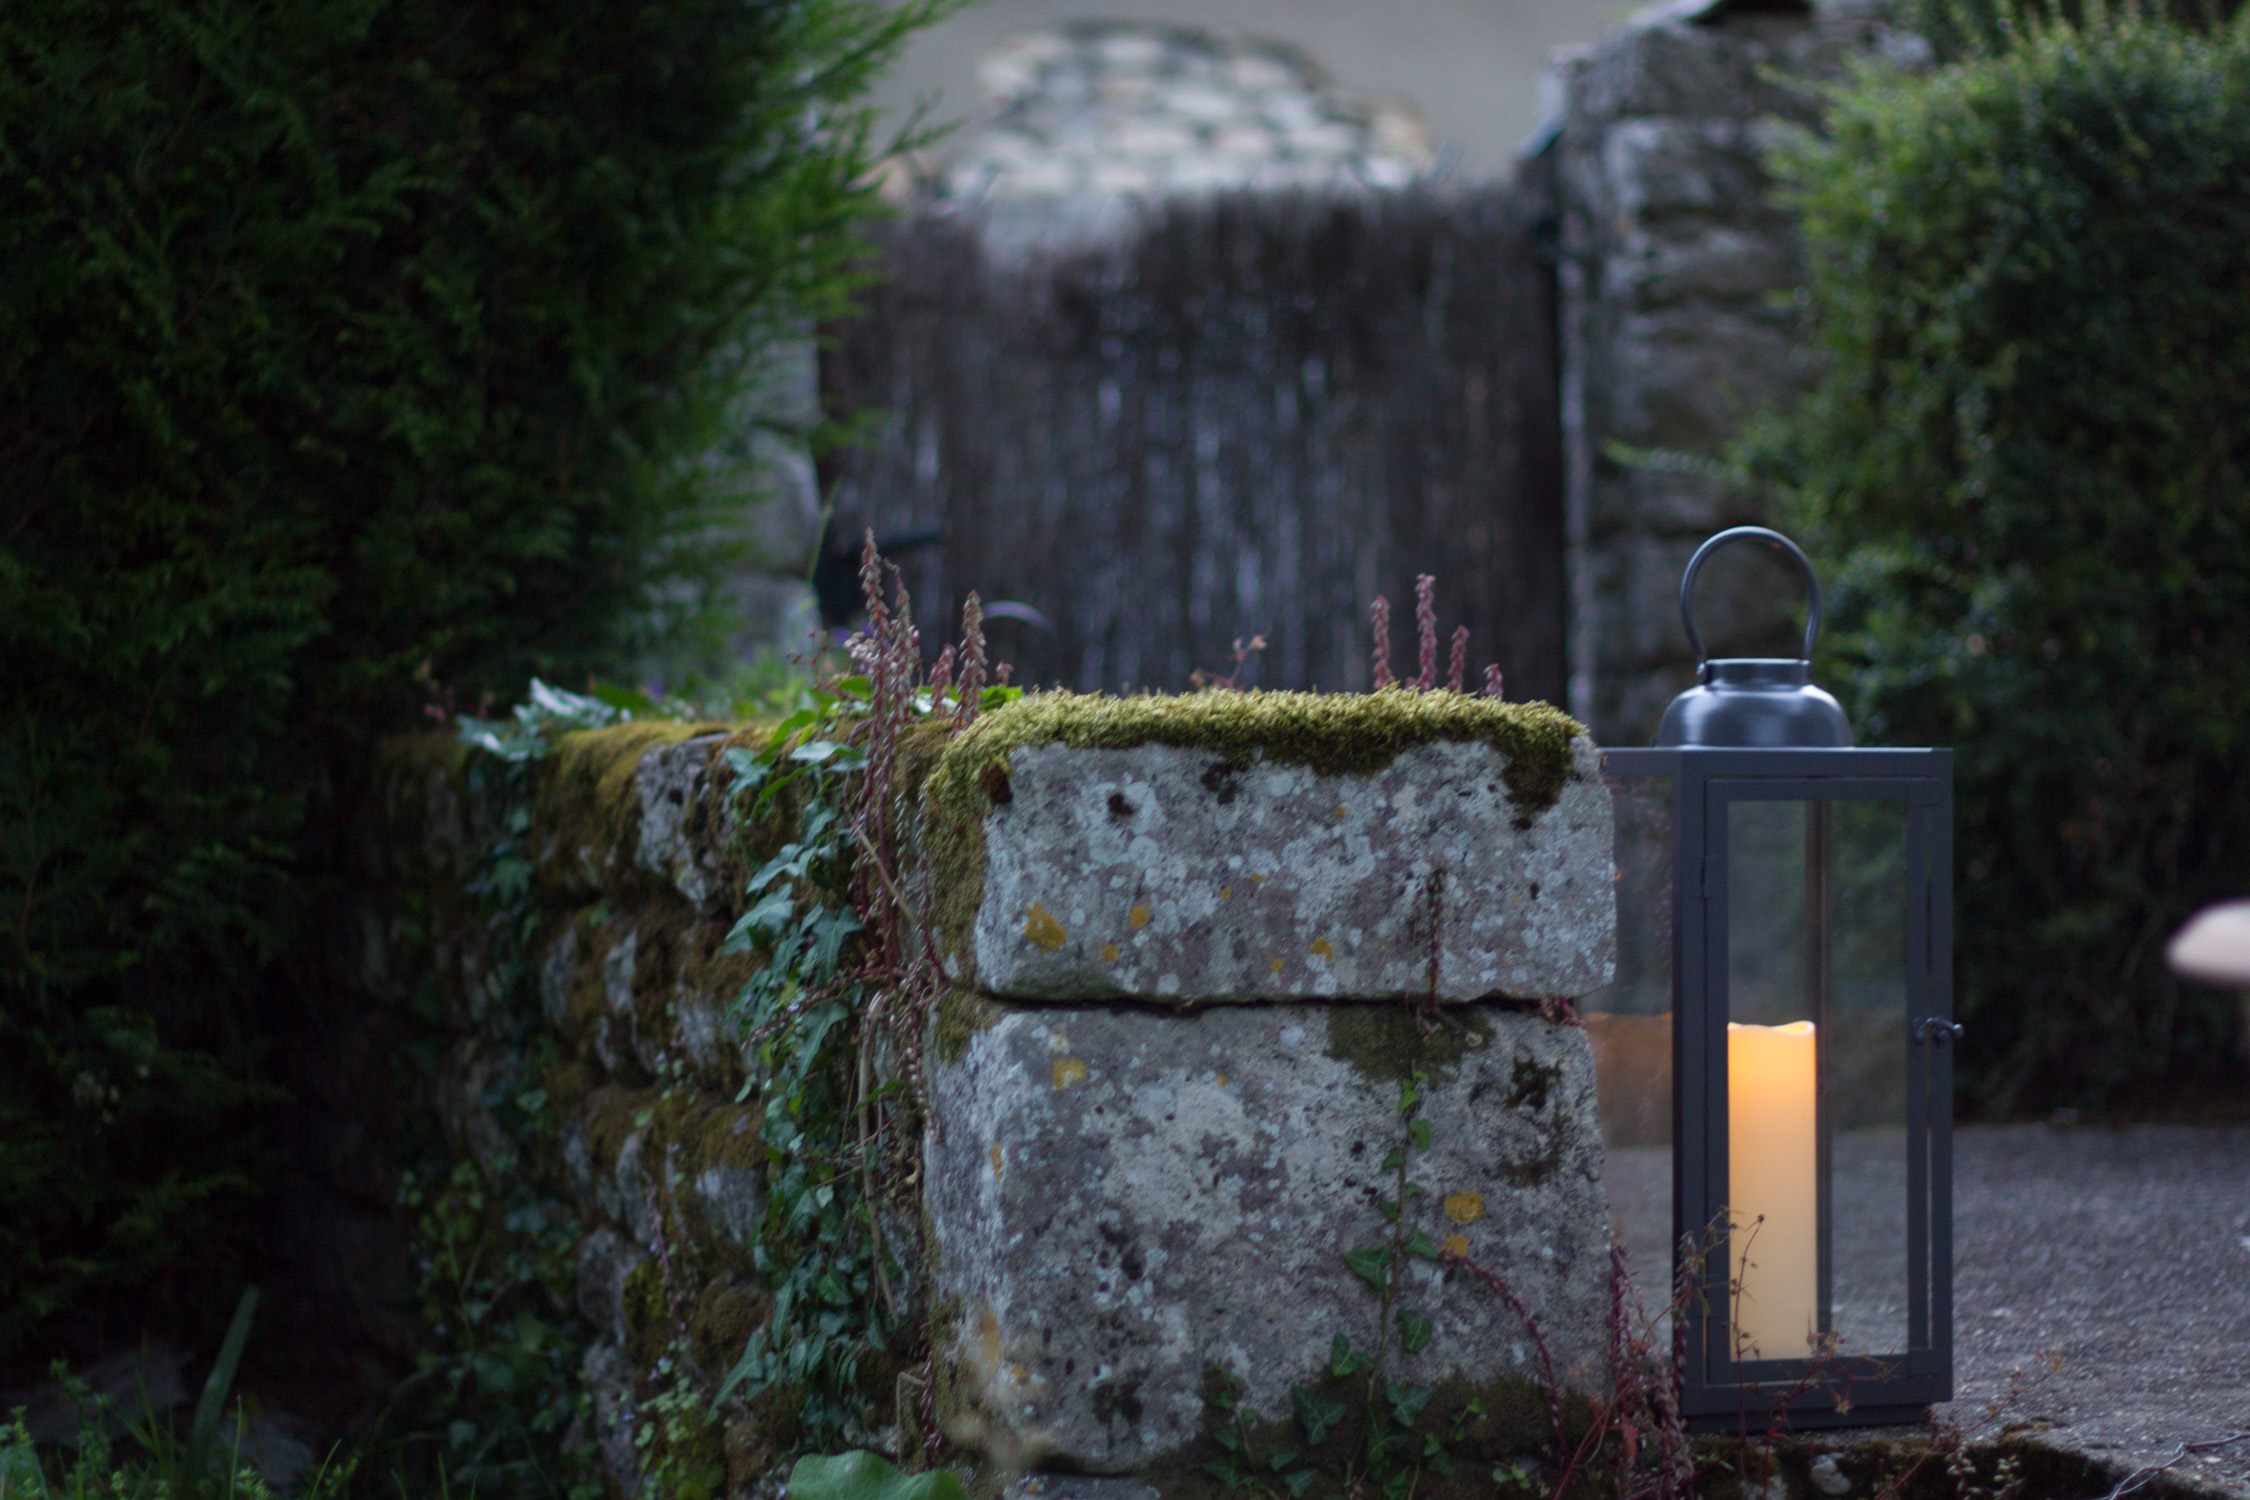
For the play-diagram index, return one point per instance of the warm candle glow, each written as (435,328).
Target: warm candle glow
(1773,1174)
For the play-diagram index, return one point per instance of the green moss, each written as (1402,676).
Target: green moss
(920,748)
(586,809)
(725,1315)
(612,1115)
(1389,1043)
(961,1014)
(648,1314)
(1335,734)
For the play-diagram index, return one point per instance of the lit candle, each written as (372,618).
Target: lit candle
(1773,1187)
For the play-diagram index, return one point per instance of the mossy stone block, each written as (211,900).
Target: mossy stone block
(1176,874)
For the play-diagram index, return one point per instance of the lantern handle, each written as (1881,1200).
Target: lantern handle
(1779,543)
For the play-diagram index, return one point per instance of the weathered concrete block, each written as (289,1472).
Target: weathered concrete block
(1122,1200)
(1175,875)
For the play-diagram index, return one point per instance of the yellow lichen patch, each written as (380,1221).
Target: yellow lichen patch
(1041,930)
(1222,1079)
(996,1161)
(1339,810)
(1455,1244)
(1138,916)
(1069,1070)
(1464,1207)
(1277,966)
(1323,949)
(1109,953)
(988,1338)
(1259,879)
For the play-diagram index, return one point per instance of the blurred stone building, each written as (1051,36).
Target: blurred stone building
(1175,299)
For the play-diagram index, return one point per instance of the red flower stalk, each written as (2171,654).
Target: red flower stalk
(1492,681)
(1459,673)
(1425,628)
(1380,613)
(972,658)
(941,679)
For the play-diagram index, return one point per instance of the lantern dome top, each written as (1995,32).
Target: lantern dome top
(1763,702)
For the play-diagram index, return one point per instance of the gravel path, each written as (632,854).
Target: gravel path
(2102,1287)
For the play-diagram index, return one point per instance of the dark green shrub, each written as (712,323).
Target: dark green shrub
(353,354)
(2026,462)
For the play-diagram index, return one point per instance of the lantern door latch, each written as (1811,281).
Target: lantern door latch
(1937,1029)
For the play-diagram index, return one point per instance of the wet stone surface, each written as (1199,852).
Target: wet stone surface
(1121,1200)
(1171,876)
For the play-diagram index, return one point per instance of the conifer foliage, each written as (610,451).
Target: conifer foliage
(354,355)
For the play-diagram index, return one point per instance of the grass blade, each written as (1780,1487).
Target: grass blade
(208,1409)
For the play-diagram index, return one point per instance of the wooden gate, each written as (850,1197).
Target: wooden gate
(1250,417)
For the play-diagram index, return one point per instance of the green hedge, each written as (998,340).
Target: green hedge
(355,355)
(2028,452)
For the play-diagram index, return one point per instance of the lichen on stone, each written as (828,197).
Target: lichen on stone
(1334,734)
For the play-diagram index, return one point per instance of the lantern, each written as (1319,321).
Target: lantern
(1785,900)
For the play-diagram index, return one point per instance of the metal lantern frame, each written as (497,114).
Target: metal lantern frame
(1716,1389)
(1757,730)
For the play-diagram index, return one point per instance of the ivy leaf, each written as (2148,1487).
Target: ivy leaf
(1281,1458)
(1370,1266)
(1409,1094)
(764,920)
(1418,1243)
(1407,1401)
(868,1476)
(748,769)
(1420,1130)
(1299,1482)
(1414,1330)
(787,727)
(1343,1359)
(1387,1208)
(828,941)
(1314,1415)
(1394,1161)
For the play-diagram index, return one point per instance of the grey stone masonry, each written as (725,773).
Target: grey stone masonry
(1093,116)
(1122,1202)
(1174,876)
(1680,319)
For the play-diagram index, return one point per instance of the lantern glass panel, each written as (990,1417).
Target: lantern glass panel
(1866,1063)
(1817,1041)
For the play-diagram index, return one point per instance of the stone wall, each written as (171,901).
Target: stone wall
(1127,1191)
(1092,118)
(1678,278)
(630,878)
